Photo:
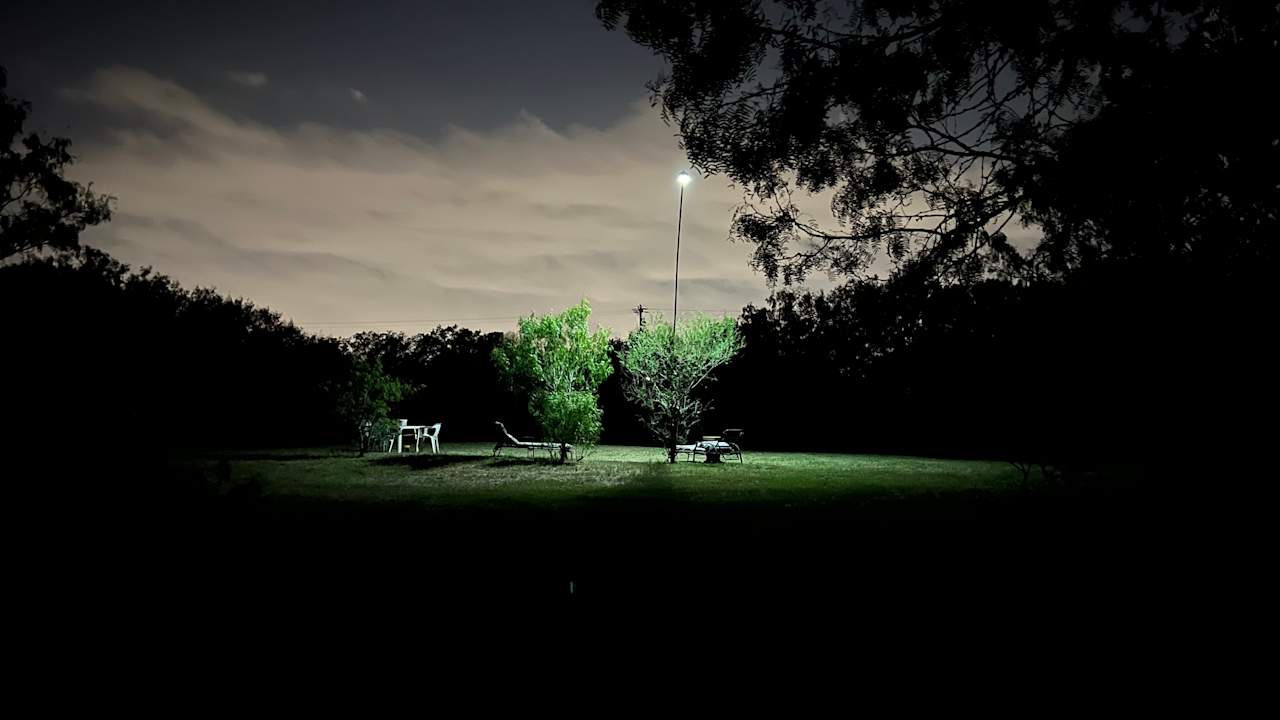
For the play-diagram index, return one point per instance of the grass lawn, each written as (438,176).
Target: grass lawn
(623,521)
(468,476)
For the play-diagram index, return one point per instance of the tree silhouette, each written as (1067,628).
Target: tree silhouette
(363,400)
(147,363)
(1120,129)
(39,208)
(449,378)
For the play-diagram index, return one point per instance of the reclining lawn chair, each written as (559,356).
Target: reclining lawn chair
(732,438)
(507,440)
(687,450)
(726,444)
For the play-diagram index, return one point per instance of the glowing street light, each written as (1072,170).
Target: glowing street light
(683,178)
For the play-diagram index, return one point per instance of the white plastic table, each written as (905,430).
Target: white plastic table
(419,432)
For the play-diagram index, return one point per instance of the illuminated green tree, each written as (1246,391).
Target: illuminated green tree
(664,377)
(560,363)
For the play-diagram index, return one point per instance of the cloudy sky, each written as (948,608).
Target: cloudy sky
(380,165)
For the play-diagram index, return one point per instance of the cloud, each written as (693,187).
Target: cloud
(248,79)
(343,230)
(359,96)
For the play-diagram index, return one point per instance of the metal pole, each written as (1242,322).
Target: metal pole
(675,305)
(675,297)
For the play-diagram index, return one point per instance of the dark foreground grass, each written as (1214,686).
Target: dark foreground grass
(623,522)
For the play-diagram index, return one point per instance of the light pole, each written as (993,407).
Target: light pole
(683,178)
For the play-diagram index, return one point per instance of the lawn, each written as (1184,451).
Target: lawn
(623,521)
(467,475)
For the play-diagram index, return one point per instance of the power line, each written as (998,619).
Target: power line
(489,318)
(406,322)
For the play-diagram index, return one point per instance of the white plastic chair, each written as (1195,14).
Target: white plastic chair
(397,438)
(432,433)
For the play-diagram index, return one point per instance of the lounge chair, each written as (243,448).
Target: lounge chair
(727,443)
(507,440)
(687,450)
(732,437)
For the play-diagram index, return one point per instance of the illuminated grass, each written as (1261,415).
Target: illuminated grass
(467,475)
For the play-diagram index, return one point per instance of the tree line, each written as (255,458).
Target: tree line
(1127,134)
(1086,369)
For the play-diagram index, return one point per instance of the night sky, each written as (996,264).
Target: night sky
(379,165)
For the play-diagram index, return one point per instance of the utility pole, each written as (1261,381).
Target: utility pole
(639,310)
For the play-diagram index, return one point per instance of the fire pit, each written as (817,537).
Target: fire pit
(710,447)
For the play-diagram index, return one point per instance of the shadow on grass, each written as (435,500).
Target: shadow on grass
(427,462)
(653,486)
(501,461)
(283,457)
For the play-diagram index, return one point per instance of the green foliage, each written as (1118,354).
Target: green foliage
(363,401)
(379,432)
(560,363)
(664,378)
(39,208)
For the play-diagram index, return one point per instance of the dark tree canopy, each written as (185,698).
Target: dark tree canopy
(93,343)
(449,377)
(39,208)
(1122,130)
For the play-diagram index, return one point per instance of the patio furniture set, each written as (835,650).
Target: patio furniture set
(711,447)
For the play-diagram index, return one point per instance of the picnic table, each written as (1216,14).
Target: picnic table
(419,432)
